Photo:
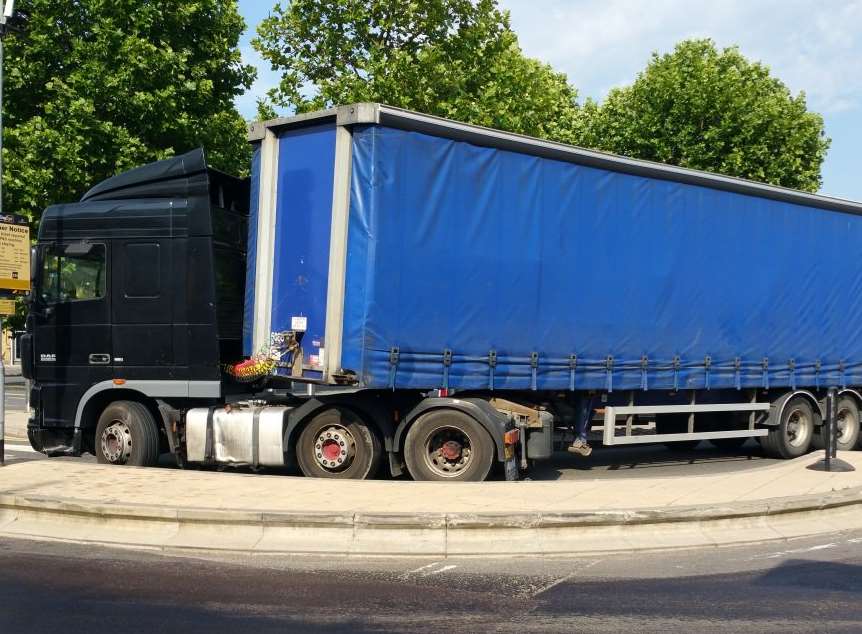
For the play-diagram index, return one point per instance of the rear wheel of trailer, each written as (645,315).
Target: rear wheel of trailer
(794,434)
(847,421)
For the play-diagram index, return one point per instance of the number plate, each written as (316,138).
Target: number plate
(511,469)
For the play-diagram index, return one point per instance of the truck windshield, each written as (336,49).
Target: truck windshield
(72,277)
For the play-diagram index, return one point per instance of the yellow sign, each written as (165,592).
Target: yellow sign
(14,253)
(7,306)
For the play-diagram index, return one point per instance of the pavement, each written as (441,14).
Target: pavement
(16,425)
(166,509)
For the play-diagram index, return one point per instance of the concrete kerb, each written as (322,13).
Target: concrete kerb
(428,534)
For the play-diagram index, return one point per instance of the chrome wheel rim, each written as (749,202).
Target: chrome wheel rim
(447,452)
(116,442)
(798,428)
(845,420)
(334,448)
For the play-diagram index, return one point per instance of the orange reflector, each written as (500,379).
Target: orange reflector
(119,381)
(511,437)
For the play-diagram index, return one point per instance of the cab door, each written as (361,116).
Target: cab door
(71,325)
(142,308)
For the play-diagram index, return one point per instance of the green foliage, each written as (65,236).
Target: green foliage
(713,110)
(452,58)
(94,87)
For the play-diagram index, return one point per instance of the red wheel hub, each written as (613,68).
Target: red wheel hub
(451,450)
(331,450)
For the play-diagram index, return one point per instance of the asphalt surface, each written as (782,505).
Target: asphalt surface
(800,586)
(15,397)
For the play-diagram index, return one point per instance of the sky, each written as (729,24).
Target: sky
(812,46)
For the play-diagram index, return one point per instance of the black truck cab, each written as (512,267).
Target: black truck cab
(139,285)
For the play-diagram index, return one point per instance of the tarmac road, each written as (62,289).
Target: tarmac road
(801,586)
(15,397)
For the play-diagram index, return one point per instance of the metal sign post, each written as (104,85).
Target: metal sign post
(14,244)
(8,10)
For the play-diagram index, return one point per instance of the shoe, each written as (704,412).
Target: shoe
(580,447)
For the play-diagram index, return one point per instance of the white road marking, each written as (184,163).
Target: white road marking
(428,569)
(586,566)
(439,570)
(21,448)
(795,551)
(421,568)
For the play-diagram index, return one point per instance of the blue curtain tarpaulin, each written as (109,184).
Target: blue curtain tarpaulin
(580,277)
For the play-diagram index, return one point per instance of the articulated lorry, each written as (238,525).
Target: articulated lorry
(396,292)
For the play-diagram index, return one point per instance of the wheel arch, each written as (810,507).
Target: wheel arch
(372,413)
(481,411)
(87,416)
(848,391)
(780,404)
(145,392)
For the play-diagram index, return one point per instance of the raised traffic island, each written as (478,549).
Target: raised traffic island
(167,509)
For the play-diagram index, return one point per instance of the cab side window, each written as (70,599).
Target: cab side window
(71,275)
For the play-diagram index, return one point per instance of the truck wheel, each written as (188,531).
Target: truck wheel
(338,444)
(126,434)
(847,420)
(446,444)
(675,424)
(794,433)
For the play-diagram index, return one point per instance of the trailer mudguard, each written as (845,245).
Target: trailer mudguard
(376,414)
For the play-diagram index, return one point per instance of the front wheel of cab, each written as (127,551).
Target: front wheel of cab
(126,434)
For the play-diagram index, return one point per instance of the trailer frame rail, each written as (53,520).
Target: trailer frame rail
(610,437)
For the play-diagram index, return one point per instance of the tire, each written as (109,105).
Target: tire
(794,434)
(33,438)
(126,434)
(847,415)
(675,424)
(338,444)
(448,445)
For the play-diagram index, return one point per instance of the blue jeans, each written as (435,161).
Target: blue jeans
(584,417)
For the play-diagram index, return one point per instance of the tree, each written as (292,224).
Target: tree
(713,110)
(452,58)
(94,87)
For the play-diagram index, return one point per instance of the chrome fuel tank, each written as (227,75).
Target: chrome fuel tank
(245,434)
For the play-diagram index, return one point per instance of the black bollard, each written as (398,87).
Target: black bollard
(830,427)
(831,462)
